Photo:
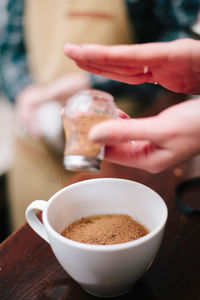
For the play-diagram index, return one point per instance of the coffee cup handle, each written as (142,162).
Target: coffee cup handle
(34,221)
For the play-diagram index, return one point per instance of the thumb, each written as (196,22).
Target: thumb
(123,130)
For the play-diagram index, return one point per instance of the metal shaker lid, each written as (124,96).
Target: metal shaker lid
(81,163)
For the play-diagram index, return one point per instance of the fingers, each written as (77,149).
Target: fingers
(80,53)
(141,155)
(118,76)
(122,114)
(132,64)
(117,131)
(121,70)
(124,55)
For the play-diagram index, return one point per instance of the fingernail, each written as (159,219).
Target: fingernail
(69,50)
(70,45)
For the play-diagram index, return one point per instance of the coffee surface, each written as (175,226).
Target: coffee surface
(105,230)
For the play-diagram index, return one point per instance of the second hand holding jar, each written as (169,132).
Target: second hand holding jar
(82,111)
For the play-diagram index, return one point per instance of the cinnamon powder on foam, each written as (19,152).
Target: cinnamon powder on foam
(105,230)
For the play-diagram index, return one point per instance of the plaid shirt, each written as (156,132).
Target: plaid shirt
(153,20)
(14,73)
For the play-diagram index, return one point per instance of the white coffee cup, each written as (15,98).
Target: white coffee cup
(102,270)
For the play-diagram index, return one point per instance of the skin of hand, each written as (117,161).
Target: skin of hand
(30,98)
(158,142)
(174,65)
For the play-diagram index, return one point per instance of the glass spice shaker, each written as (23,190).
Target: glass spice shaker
(82,111)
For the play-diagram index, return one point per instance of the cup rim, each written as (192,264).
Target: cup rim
(102,248)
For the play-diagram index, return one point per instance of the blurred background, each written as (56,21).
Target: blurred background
(36,79)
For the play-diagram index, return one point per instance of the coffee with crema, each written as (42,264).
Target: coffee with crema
(105,229)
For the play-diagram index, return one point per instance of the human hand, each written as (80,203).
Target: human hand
(32,97)
(27,103)
(174,65)
(160,141)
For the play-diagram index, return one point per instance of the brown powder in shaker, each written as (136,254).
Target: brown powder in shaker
(77,134)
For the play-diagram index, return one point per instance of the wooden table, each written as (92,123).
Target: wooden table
(29,270)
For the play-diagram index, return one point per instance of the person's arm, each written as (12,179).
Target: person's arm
(16,81)
(154,143)
(14,73)
(152,21)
